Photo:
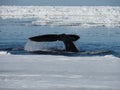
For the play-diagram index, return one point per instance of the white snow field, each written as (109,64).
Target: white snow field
(47,72)
(83,16)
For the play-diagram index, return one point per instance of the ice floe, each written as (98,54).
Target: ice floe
(83,16)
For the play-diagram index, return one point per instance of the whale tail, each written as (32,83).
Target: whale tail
(68,42)
(66,38)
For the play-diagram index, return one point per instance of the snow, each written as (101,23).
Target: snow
(83,16)
(49,72)
(4,53)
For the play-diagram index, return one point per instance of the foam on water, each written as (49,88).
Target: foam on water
(44,46)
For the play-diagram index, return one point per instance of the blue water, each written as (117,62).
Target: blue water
(61,2)
(15,33)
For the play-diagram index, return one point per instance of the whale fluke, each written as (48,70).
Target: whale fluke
(66,38)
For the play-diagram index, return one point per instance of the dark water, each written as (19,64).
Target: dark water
(15,33)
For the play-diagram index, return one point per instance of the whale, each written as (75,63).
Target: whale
(67,39)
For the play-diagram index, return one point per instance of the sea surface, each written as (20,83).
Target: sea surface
(97,26)
(61,2)
(14,34)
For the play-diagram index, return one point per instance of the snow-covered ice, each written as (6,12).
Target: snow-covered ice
(83,16)
(47,72)
(4,53)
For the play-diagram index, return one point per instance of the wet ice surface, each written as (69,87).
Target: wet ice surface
(46,72)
